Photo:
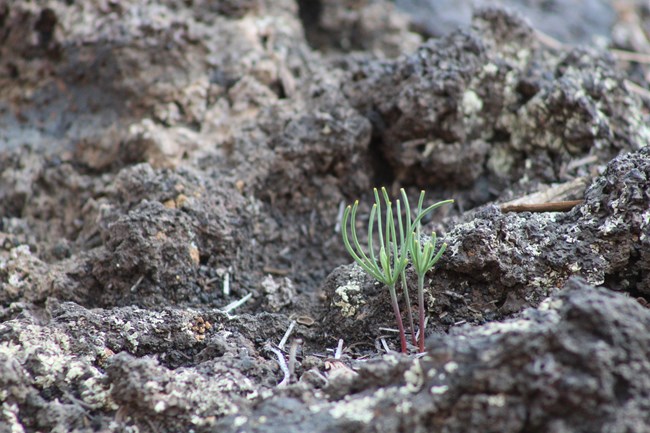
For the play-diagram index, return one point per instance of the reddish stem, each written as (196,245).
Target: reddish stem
(421,345)
(421,310)
(409,311)
(398,317)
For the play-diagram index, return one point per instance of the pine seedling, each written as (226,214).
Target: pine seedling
(424,257)
(393,254)
(405,290)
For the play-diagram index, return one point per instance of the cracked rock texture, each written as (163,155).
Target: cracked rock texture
(172,180)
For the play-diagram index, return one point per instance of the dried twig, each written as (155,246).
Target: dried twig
(570,190)
(558,206)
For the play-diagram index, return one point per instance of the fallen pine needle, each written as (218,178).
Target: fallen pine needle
(286,335)
(282,363)
(137,283)
(385,345)
(228,308)
(339,349)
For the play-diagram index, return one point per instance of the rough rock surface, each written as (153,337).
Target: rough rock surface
(577,363)
(172,180)
(485,109)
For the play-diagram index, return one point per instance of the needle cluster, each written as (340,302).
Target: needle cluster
(399,240)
